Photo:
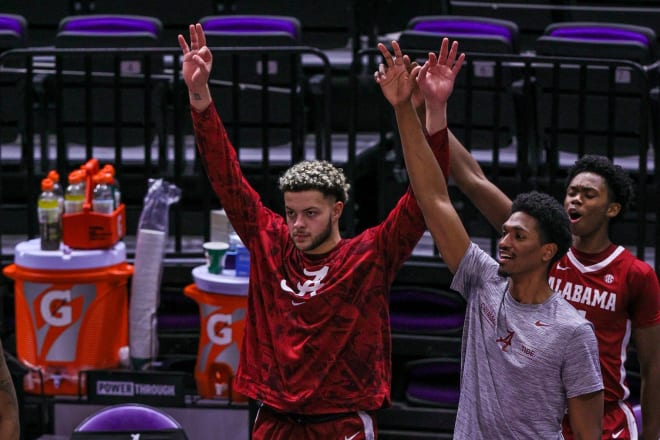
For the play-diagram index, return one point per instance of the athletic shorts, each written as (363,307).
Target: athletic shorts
(270,424)
(618,423)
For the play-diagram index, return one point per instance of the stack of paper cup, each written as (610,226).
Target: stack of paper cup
(220,226)
(145,296)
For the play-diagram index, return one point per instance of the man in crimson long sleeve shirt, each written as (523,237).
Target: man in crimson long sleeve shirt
(316,350)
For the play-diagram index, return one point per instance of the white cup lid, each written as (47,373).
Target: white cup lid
(28,254)
(223,284)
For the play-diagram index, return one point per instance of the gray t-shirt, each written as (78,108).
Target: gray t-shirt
(519,362)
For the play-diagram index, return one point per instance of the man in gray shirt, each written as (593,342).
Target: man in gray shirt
(527,355)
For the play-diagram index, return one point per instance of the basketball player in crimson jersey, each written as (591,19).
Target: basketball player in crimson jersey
(614,290)
(316,350)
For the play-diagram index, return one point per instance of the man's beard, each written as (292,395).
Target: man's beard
(320,239)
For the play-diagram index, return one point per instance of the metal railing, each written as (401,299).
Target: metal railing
(530,151)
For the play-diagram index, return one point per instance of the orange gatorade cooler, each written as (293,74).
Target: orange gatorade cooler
(71,313)
(222,303)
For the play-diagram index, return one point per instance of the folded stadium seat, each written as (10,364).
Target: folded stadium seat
(599,40)
(433,382)
(13,31)
(475,34)
(111,24)
(596,108)
(175,15)
(481,112)
(422,310)
(13,35)
(129,420)
(245,126)
(532,17)
(109,98)
(259,92)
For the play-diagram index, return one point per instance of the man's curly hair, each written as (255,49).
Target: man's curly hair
(554,225)
(619,184)
(317,175)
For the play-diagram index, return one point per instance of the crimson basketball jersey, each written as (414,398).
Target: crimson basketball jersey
(317,336)
(616,292)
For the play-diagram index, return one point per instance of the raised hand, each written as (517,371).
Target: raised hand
(417,97)
(396,82)
(436,78)
(197,59)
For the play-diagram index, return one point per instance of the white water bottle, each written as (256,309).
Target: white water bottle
(114,186)
(57,188)
(74,196)
(103,200)
(48,210)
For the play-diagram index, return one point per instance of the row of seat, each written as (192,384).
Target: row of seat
(575,38)
(14,28)
(498,96)
(127,31)
(586,39)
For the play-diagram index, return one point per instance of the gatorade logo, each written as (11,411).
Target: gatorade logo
(55,309)
(218,328)
(57,313)
(220,339)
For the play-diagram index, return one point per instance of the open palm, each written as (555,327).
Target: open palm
(436,78)
(396,82)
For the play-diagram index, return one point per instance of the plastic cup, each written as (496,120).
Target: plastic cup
(215,251)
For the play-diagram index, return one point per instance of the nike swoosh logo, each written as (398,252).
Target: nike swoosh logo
(617,434)
(297,303)
(541,324)
(560,267)
(352,437)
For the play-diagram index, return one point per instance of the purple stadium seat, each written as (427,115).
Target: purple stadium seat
(13,35)
(252,24)
(460,26)
(106,32)
(481,97)
(433,382)
(112,24)
(419,310)
(14,24)
(606,103)
(247,120)
(129,418)
(599,40)
(599,33)
(475,34)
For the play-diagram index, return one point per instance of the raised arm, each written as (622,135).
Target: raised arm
(465,170)
(426,177)
(471,180)
(219,158)
(196,68)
